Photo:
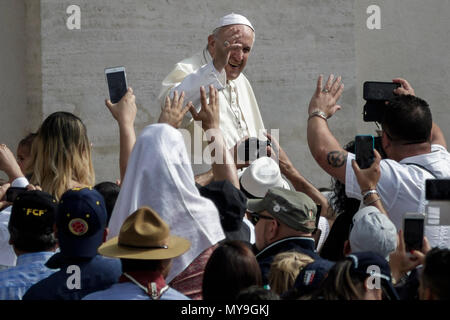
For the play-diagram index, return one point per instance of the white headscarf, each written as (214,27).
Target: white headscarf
(159,175)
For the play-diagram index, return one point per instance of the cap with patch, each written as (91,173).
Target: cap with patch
(295,209)
(81,221)
(311,277)
(33,212)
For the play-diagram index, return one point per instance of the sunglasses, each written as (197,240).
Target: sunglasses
(254,217)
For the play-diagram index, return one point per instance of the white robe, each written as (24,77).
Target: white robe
(159,175)
(239,111)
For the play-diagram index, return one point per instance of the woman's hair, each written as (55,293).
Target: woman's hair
(284,270)
(61,153)
(231,268)
(341,284)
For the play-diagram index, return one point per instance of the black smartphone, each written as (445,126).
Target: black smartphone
(117,83)
(13,192)
(364,145)
(374,111)
(379,91)
(252,149)
(437,189)
(413,225)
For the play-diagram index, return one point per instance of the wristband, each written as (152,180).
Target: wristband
(368,193)
(372,202)
(318,113)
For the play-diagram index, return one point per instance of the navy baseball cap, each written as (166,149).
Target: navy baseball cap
(81,221)
(312,276)
(372,264)
(33,213)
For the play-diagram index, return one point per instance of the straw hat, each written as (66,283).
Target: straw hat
(145,236)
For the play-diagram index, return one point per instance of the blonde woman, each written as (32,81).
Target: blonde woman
(285,268)
(61,155)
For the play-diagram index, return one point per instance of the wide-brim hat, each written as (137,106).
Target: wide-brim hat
(145,236)
(263,174)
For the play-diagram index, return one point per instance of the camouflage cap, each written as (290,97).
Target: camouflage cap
(294,209)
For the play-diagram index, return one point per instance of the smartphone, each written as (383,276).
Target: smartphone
(252,149)
(379,91)
(437,208)
(117,83)
(364,145)
(413,228)
(437,189)
(374,111)
(13,192)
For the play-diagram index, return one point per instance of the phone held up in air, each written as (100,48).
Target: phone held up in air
(364,145)
(413,230)
(117,83)
(13,192)
(376,94)
(437,208)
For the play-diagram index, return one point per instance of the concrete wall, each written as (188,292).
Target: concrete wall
(413,43)
(12,66)
(295,41)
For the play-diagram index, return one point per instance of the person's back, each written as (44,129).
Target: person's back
(31,235)
(413,157)
(80,223)
(145,248)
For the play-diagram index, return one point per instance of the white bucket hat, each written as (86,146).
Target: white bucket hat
(263,174)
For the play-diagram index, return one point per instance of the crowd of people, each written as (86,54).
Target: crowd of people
(227,229)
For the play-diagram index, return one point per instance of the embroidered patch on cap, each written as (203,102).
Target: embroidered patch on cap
(78,226)
(309,277)
(276,207)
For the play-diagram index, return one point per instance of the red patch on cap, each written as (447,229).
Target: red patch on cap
(78,226)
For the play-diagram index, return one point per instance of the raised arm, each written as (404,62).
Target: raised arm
(125,113)
(8,163)
(223,167)
(324,147)
(368,180)
(299,182)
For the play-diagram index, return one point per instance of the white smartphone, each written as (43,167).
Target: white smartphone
(413,228)
(117,83)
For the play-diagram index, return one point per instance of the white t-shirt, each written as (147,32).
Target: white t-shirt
(402,187)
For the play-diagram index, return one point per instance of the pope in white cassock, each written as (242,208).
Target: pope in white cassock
(220,64)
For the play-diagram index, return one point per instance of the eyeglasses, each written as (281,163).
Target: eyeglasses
(254,217)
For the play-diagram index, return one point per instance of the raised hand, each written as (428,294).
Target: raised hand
(405,88)
(173,112)
(224,44)
(125,110)
(325,99)
(209,113)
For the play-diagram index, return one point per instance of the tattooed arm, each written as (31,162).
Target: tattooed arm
(324,147)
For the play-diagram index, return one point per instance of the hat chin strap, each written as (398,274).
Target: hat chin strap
(155,283)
